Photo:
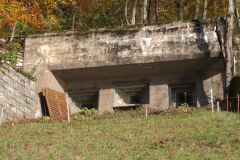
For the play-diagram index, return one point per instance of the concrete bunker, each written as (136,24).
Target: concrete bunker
(97,59)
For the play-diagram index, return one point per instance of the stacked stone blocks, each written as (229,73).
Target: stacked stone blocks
(16,95)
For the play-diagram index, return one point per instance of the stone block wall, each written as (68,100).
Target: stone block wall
(16,95)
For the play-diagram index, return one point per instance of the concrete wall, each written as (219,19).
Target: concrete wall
(121,98)
(16,94)
(106,47)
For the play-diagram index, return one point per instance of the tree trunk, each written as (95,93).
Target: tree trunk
(145,11)
(18,33)
(238,22)
(134,12)
(180,7)
(156,11)
(205,9)
(196,9)
(219,9)
(149,11)
(228,44)
(215,8)
(126,12)
(237,16)
(4,31)
(73,20)
(181,13)
(13,32)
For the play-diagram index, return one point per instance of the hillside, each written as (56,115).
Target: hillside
(199,135)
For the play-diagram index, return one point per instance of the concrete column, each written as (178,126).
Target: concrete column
(159,95)
(106,96)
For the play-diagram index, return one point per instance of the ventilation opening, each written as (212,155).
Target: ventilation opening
(88,105)
(131,94)
(88,99)
(184,97)
(136,100)
(177,95)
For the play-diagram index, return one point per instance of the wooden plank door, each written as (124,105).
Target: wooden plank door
(57,103)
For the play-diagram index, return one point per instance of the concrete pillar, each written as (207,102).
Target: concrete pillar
(106,96)
(158,94)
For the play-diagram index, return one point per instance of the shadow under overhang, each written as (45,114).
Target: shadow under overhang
(143,69)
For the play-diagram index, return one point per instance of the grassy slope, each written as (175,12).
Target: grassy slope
(195,136)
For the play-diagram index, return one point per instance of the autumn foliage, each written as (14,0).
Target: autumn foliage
(47,15)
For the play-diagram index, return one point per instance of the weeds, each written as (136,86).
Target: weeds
(27,74)
(11,55)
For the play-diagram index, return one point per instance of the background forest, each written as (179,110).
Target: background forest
(23,17)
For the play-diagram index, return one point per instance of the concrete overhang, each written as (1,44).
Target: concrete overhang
(123,46)
(143,69)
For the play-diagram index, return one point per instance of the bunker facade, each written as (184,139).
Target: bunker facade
(161,65)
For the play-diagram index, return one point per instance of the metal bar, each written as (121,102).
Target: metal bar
(185,97)
(67,107)
(1,117)
(238,103)
(146,112)
(227,101)
(212,101)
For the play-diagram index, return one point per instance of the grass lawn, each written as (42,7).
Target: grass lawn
(199,135)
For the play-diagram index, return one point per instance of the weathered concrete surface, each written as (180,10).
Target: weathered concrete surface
(16,95)
(178,41)
(106,55)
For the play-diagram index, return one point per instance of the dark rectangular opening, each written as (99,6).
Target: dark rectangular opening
(136,100)
(87,98)
(184,97)
(88,105)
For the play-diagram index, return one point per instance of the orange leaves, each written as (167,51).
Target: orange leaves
(81,4)
(29,12)
(74,3)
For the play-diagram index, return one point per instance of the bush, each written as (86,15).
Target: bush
(89,112)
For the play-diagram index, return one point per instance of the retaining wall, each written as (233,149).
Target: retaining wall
(16,95)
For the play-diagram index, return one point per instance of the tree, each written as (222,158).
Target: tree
(196,9)
(237,16)
(156,11)
(205,9)
(29,12)
(144,11)
(126,12)
(228,43)
(180,6)
(149,11)
(73,7)
(134,12)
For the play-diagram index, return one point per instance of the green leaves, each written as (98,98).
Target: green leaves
(11,56)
